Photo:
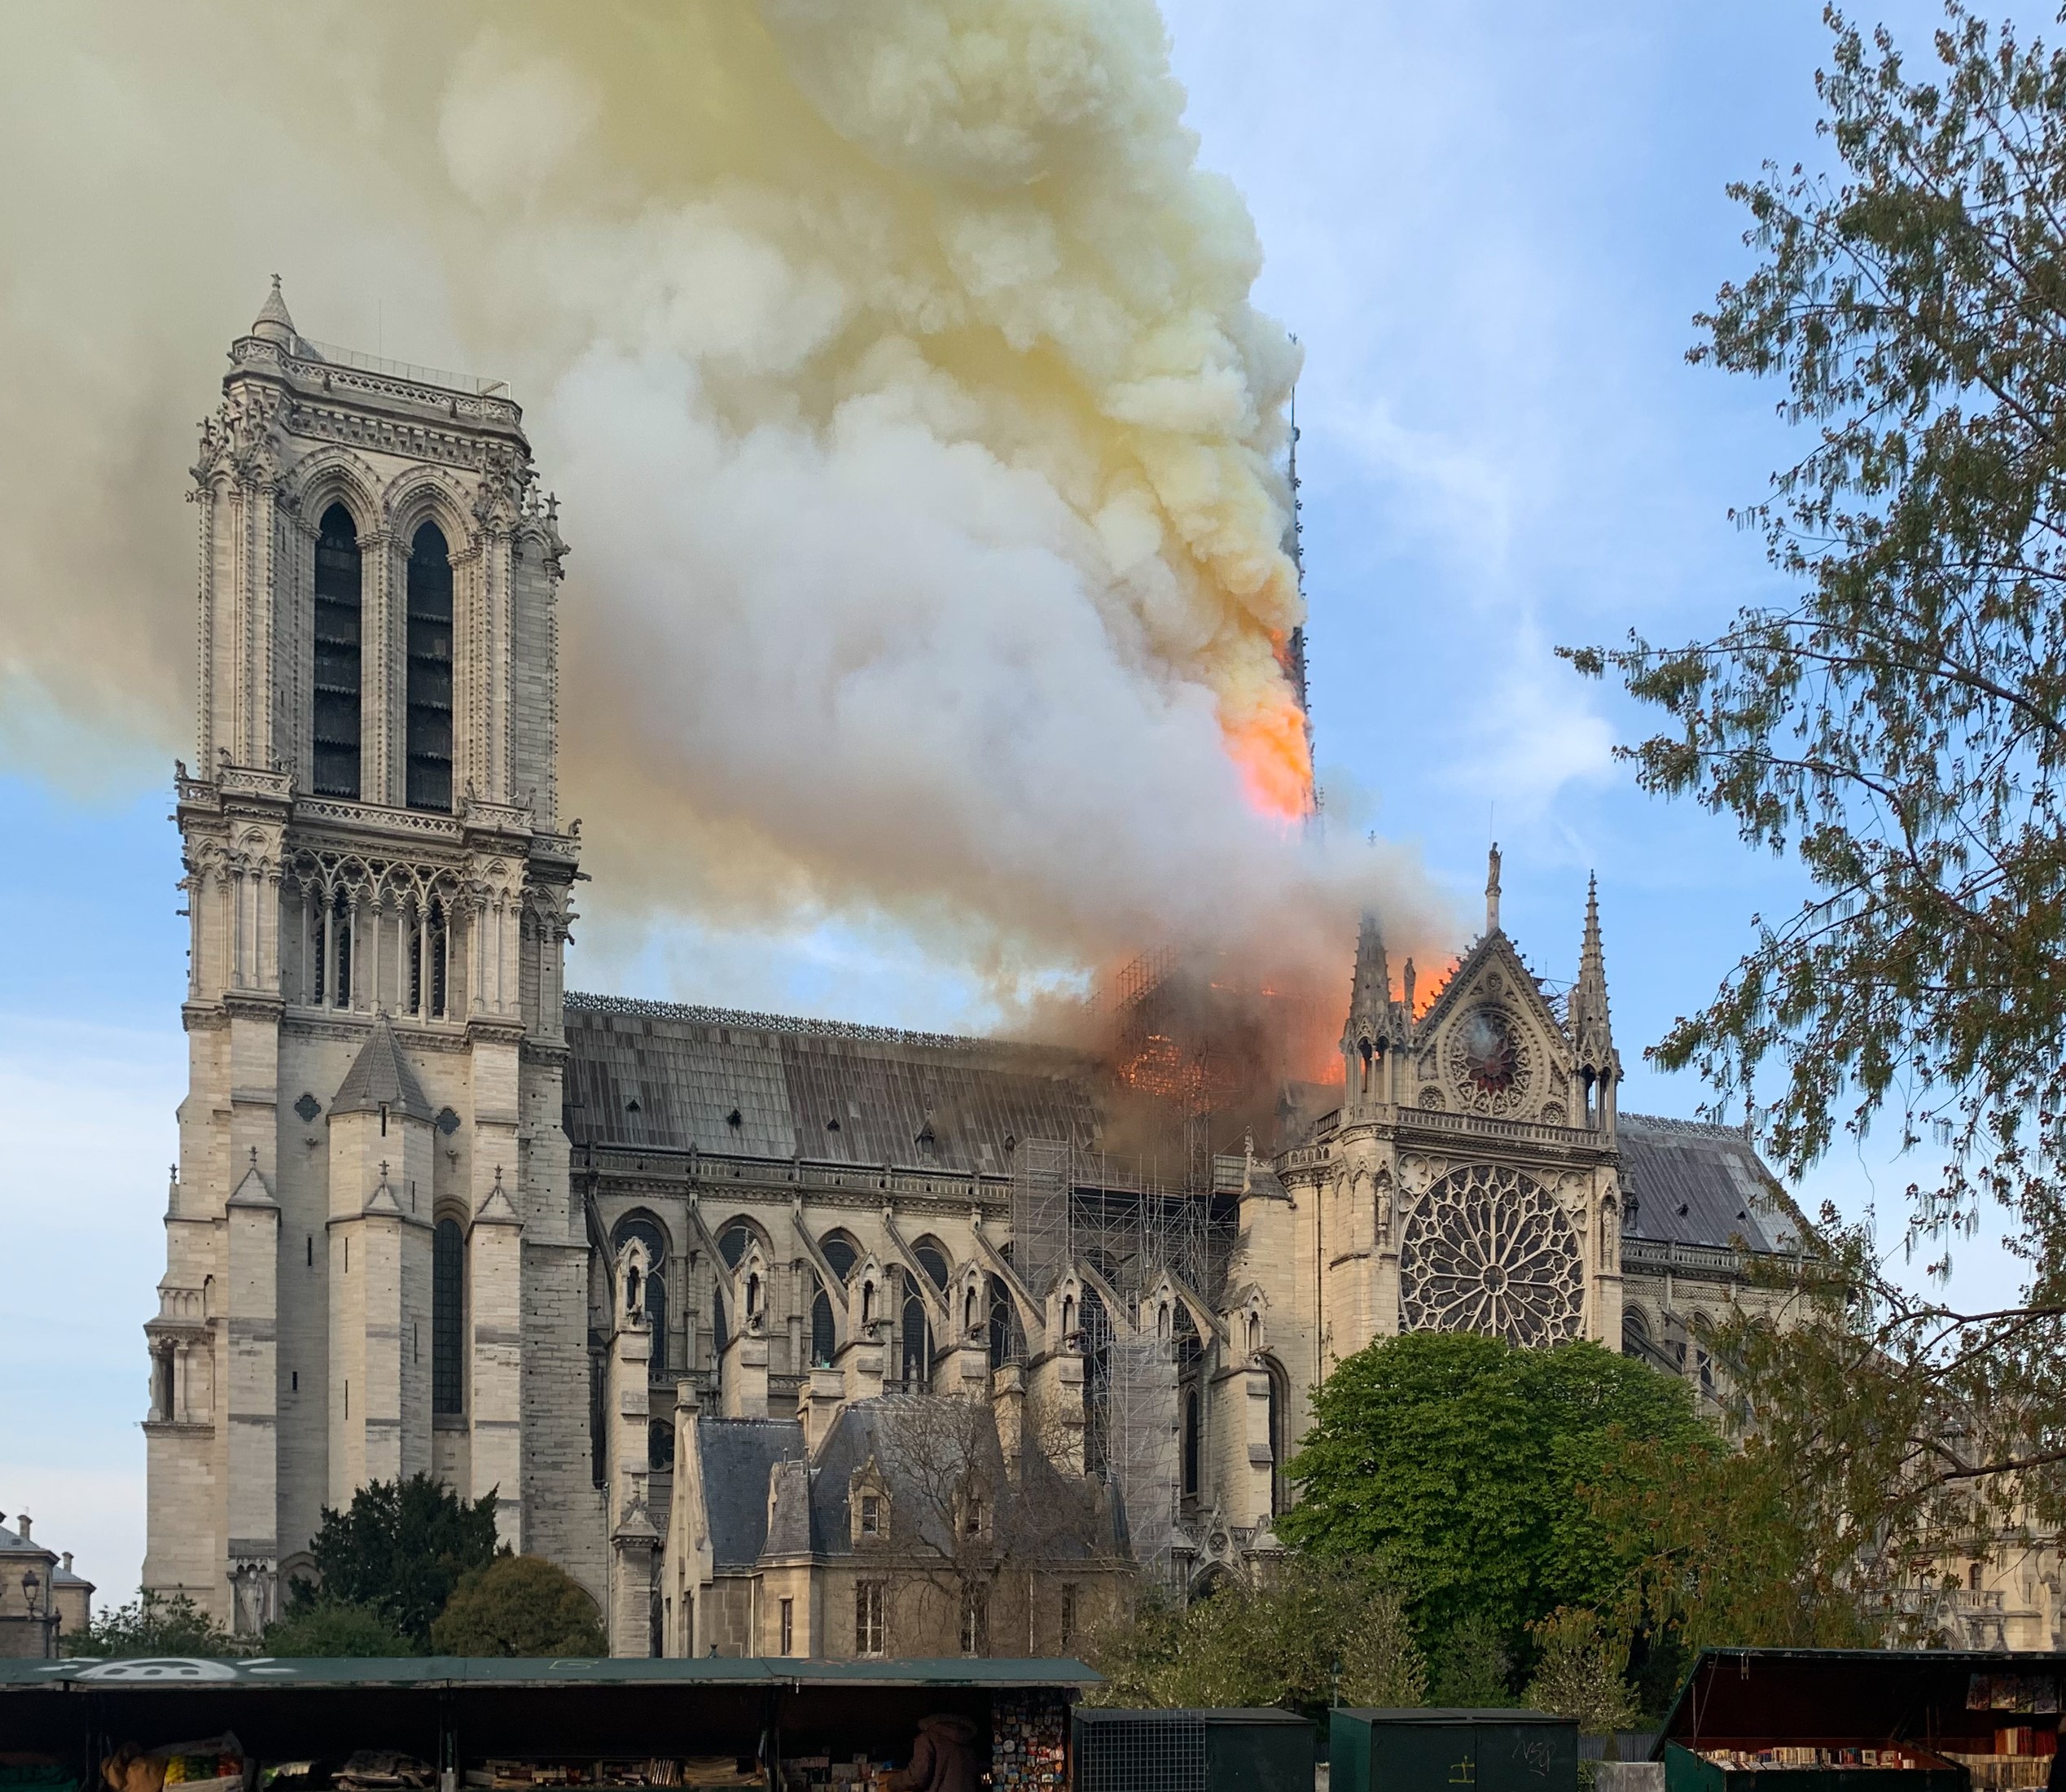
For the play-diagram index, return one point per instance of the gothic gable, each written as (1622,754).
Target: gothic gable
(1491,1044)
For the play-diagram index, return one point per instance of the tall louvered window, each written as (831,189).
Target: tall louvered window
(430,670)
(448,1312)
(336,713)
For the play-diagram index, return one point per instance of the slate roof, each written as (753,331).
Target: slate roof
(1691,1183)
(655,1074)
(737,1455)
(12,1544)
(886,1429)
(381,1073)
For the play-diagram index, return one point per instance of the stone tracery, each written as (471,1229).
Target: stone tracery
(1488,1250)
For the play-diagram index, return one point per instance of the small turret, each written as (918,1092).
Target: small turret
(273,323)
(1592,1032)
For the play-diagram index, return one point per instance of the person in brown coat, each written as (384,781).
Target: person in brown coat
(942,1760)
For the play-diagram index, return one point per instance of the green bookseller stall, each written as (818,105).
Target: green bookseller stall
(1432,1750)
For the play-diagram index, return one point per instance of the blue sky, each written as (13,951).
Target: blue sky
(1489,225)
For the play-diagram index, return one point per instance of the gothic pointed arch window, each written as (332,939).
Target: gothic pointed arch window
(738,1238)
(841,1252)
(915,1369)
(335,713)
(1097,1384)
(1280,1402)
(653,1293)
(932,1259)
(1005,1347)
(1191,1443)
(824,1339)
(334,949)
(447,1317)
(429,697)
(427,961)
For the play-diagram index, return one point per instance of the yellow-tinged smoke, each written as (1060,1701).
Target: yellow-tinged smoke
(917,441)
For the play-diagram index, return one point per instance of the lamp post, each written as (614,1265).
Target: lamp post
(32,1592)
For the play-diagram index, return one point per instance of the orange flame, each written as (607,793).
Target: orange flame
(1268,748)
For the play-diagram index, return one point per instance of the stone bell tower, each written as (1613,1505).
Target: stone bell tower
(371,1270)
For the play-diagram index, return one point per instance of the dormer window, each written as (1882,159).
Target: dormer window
(871,1515)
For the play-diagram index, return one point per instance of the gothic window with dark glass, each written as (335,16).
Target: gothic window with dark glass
(932,1260)
(335,711)
(654,1290)
(429,777)
(1096,1384)
(341,954)
(841,1252)
(1002,1326)
(916,1369)
(1279,1403)
(823,1340)
(447,1317)
(427,942)
(1190,1442)
(1189,1346)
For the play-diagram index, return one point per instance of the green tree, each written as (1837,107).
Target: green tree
(1898,726)
(1317,1630)
(1473,1665)
(1757,1545)
(154,1624)
(329,1627)
(519,1606)
(1460,1461)
(399,1550)
(1580,1672)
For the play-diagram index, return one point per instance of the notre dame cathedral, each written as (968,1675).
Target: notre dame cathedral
(782,1336)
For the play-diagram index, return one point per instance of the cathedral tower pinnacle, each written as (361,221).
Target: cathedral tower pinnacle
(1599,1065)
(377,882)
(1375,1025)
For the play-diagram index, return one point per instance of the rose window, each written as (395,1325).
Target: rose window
(1487,1249)
(1489,1060)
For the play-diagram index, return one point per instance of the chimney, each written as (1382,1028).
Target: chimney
(68,1562)
(21,1524)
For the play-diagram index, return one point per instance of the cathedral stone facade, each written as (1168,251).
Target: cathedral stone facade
(783,1337)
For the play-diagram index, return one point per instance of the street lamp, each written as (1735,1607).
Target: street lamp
(32,1588)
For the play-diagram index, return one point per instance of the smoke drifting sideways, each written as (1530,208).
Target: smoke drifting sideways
(918,443)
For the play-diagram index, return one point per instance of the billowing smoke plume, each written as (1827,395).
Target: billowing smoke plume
(917,441)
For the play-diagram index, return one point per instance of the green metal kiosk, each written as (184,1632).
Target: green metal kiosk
(1435,1750)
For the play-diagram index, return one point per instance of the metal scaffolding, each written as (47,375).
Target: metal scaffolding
(1042,1177)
